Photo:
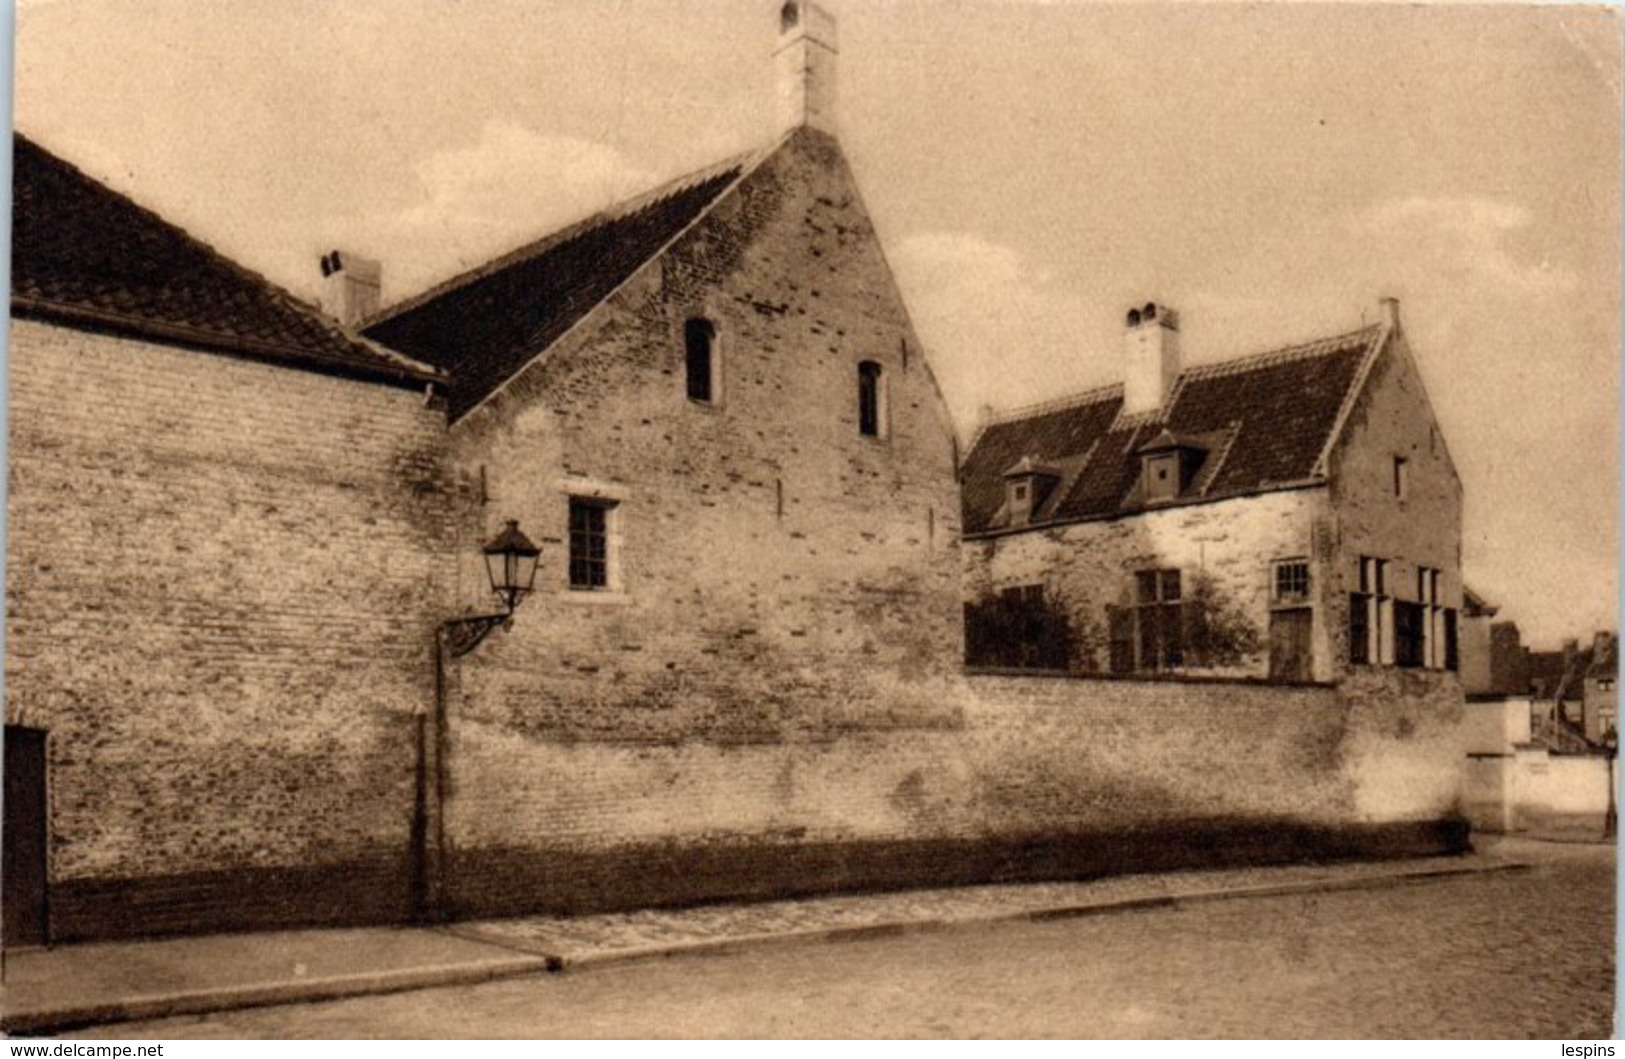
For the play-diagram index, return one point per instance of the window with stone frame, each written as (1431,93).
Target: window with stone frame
(591,545)
(1290,581)
(1371,615)
(1410,634)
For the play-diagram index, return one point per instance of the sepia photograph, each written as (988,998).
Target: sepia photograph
(811,519)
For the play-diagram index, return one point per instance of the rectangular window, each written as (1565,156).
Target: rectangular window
(1409,639)
(1452,649)
(1019,627)
(1371,615)
(699,340)
(871,400)
(1120,633)
(1359,628)
(589,545)
(1158,620)
(1291,581)
(1401,476)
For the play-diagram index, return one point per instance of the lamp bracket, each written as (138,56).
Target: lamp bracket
(461,635)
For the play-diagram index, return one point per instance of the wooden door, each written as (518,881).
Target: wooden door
(22,860)
(1291,655)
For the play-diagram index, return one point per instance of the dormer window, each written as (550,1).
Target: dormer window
(1168,466)
(1162,477)
(1027,486)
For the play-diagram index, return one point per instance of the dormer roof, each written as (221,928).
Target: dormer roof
(1029,466)
(1168,441)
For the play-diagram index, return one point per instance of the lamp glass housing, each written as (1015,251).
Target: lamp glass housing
(510,562)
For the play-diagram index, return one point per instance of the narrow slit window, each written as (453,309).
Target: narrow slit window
(871,400)
(700,341)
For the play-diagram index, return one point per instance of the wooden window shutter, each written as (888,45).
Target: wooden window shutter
(1120,630)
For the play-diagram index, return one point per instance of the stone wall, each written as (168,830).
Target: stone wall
(1037,777)
(1536,792)
(222,582)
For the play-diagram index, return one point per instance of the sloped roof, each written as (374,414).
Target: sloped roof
(1604,657)
(84,255)
(1475,605)
(487,324)
(1263,421)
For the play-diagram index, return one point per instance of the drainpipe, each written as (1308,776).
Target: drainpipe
(428,805)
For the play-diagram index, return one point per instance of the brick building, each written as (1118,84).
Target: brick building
(242,536)
(224,526)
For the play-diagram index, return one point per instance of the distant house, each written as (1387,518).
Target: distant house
(1572,691)
(1553,676)
(1509,660)
(1477,643)
(1291,516)
(1601,695)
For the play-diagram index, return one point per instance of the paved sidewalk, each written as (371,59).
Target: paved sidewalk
(78,985)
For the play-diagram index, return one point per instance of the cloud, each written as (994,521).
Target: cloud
(998,331)
(474,201)
(512,174)
(1463,238)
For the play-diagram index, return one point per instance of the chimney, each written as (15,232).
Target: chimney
(806,63)
(1151,355)
(352,286)
(1388,312)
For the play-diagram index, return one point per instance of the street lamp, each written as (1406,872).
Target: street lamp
(510,562)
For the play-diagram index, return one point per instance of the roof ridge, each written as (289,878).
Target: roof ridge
(1057,404)
(1314,347)
(744,161)
(279,294)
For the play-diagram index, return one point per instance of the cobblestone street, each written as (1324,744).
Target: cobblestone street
(1506,955)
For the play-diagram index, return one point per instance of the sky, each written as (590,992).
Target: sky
(1033,169)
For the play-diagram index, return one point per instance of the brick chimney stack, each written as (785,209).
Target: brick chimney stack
(352,286)
(1151,358)
(806,63)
